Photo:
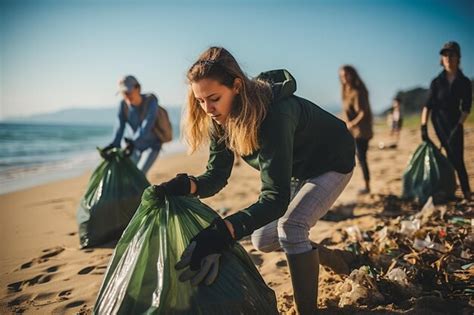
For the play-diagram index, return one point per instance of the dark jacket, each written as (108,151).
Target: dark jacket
(447,101)
(297,139)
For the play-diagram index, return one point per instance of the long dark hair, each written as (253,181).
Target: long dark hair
(354,82)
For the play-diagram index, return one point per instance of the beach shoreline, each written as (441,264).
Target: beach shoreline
(18,178)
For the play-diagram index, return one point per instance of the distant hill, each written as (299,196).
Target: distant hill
(414,99)
(87,116)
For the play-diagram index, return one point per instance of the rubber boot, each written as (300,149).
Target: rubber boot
(304,270)
(339,261)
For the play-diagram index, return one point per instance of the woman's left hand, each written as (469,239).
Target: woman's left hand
(203,253)
(180,185)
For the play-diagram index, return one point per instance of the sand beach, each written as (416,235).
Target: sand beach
(44,271)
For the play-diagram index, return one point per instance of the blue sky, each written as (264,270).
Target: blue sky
(63,54)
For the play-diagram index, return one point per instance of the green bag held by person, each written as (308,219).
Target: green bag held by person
(142,278)
(429,173)
(111,199)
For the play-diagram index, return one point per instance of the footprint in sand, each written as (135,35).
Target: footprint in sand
(26,265)
(50,252)
(282,263)
(52,269)
(44,296)
(64,294)
(85,271)
(67,308)
(15,287)
(100,270)
(39,279)
(45,278)
(22,299)
(256,258)
(75,304)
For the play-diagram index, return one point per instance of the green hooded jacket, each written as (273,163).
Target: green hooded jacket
(297,138)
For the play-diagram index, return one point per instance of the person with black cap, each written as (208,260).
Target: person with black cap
(449,102)
(139,111)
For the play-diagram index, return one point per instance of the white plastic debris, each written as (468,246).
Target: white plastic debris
(428,243)
(354,233)
(359,289)
(399,276)
(409,227)
(427,212)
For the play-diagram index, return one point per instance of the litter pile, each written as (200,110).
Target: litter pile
(417,254)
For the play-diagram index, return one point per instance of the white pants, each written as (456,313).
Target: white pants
(145,159)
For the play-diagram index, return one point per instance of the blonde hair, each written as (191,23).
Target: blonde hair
(354,83)
(240,132)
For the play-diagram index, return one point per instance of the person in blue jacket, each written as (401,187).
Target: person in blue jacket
(139,112)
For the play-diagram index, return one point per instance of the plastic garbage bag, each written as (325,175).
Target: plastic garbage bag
(429,173)
(141,277)
(112,197)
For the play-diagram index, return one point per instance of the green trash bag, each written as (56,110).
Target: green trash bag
(141,277)
(429,173)
(111,199)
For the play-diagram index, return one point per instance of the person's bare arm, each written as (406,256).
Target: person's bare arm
(425,114)
(193,187)
(360,106)
(356,120)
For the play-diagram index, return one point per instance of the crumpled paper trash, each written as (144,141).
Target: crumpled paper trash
(359,289)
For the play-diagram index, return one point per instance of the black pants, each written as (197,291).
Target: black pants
(454,147)
(361,149)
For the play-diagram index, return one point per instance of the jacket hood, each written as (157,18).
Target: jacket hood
(282,82)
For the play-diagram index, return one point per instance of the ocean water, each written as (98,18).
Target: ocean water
(36,153)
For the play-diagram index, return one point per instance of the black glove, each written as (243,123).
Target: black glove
(105,152)
(129,147)
(203,253)
(109,147)
(180,185)
(424,133)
